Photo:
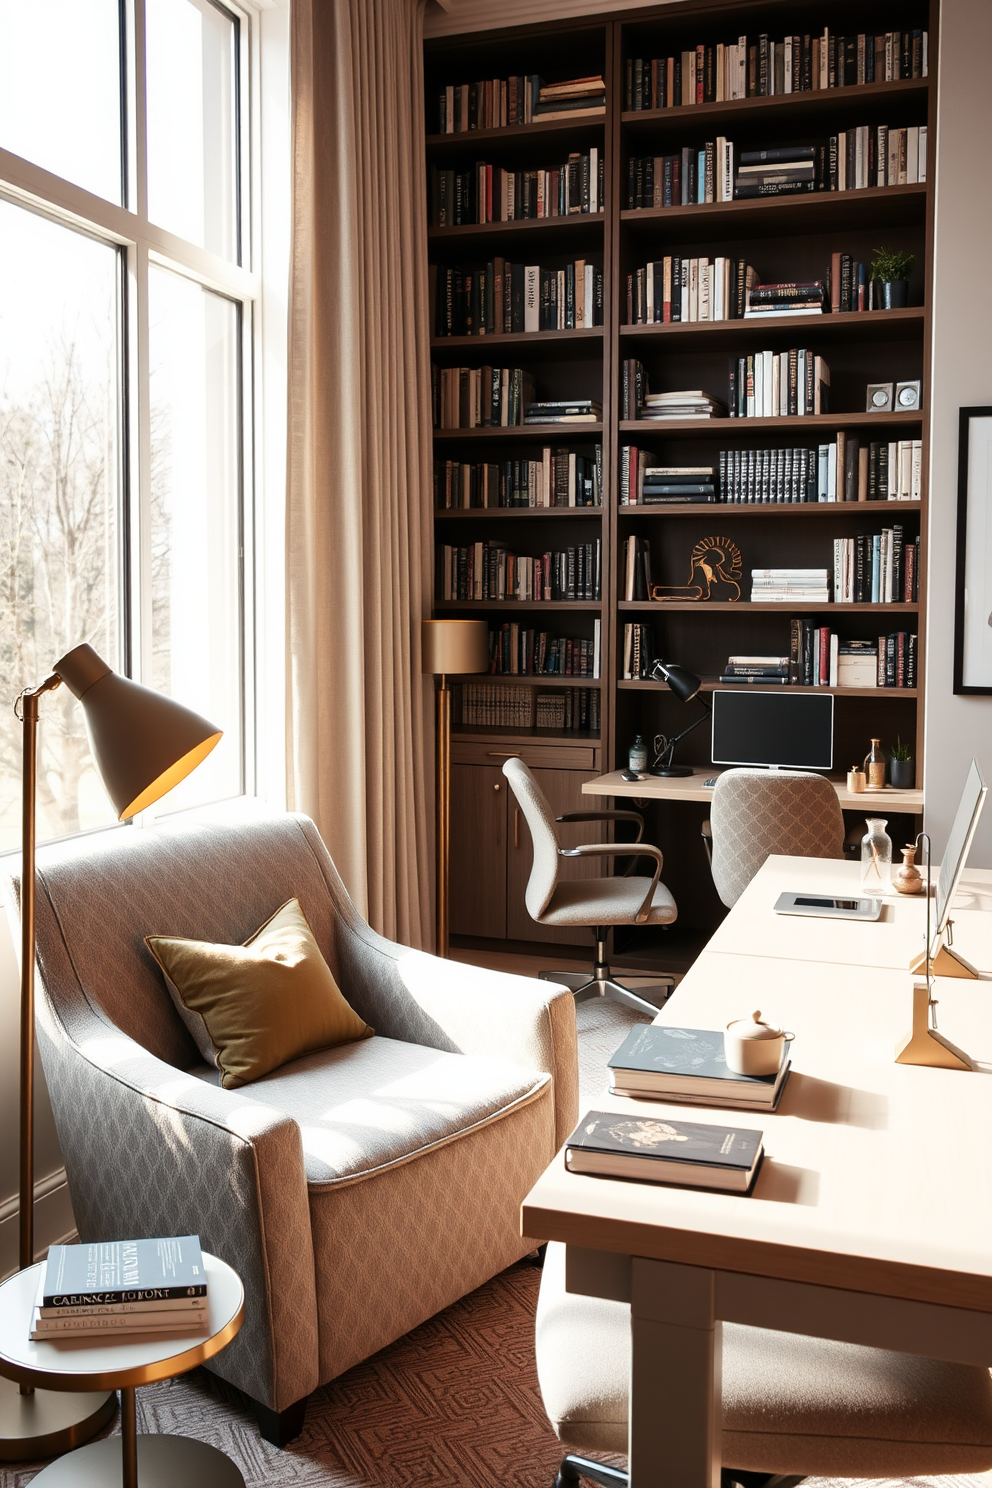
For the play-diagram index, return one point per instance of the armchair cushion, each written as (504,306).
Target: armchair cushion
(253,1007)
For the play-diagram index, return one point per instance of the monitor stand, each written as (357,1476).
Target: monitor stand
(944,961)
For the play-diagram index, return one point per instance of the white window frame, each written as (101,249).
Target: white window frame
(144,244)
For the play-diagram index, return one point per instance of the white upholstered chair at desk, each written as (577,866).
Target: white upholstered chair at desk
(759,812)
(793,1407)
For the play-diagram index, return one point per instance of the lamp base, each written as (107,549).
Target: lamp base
(49,1422)
(672,772)
(163,1461)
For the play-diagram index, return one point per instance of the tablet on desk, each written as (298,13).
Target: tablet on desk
(829,906)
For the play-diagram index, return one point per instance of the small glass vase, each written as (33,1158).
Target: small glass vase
(876,858)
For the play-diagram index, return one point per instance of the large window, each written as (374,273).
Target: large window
(127,299)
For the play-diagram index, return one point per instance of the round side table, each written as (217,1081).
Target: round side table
(92,1364)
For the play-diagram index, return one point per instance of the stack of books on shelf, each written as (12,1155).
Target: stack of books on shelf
(480,397)
(779,301)
(688,405)
(575,711)
(578,98)
(644,483)
(639,652)
(818,657)
(559,478)
(678,289)
(768,477)
(488,571)
(771,670)
(518,650)
(877,568)
(763,67)
(784,384)
(661,1062)
(501,298)
(781,170)
(488,193)
(119,1288)
(496,103)
(565,411)
(789,586)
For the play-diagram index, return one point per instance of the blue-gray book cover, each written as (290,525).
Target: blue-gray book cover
(695,1052)
(125,1271)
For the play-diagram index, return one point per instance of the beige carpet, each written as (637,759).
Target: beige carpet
(454,1404)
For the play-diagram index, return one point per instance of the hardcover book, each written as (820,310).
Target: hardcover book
(683,1153)
(124,1271)
(688,1064)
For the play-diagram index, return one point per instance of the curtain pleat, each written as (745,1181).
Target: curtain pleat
(359,478)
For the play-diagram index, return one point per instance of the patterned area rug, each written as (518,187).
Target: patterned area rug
(455,1404)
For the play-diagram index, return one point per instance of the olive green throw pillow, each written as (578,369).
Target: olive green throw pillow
(253,1007)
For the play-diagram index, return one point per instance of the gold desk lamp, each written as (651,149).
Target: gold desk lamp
(143,744)
(450,648)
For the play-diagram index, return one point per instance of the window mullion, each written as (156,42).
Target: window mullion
(140,115)
(140,504)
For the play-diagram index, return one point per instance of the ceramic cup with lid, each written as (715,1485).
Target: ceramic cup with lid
(752,1047)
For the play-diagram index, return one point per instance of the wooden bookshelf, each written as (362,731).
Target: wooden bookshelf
(784,238)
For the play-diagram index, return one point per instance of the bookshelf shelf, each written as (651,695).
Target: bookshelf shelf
(589,339)
(571,132)
(890,510)
(820,211)
(752,607)
(515,513)
(710,684)
(808,109)
(540,433)
(714,335)
(541,606)
(649,429)
(540,679)
(578,224)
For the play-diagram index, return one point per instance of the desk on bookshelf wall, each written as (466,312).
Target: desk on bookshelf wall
(785,238)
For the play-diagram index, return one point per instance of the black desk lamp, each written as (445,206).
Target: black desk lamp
(685,685)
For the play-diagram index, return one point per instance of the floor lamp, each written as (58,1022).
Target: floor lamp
(450,648)
(143,744)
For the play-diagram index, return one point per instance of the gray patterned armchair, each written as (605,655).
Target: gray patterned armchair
(357,1190)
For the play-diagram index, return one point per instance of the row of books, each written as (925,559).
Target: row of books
(761,67)
(819,657)
(843,469)
(114,1287)
(505,706)
(877,568)
(557,478)
(789,586)
(675,289)
(497,103)
(779,384)
(518,650)
(499,297)
(489,571)
(852,160)
(480,397)
(488,193)
(576,710)
(636,569)
(850,287)
(639,652)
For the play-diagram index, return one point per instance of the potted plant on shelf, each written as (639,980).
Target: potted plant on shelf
(902,766)
(890,278)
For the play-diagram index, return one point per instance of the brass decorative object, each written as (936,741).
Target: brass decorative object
(716,568)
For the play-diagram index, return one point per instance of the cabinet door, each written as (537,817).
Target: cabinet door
(563,789)
(477,885)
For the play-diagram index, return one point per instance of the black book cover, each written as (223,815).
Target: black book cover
(688,1142)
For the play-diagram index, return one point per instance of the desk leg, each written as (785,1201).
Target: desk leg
(675,1393)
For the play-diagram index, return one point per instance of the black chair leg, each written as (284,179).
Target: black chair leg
(537,1256)
(573,1468)
(279,1428)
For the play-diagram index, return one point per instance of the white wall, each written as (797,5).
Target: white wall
(957,728)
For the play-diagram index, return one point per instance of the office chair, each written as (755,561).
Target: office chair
(793,1406)
(595,903)
(759,812)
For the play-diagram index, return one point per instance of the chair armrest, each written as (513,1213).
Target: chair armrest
(706,833)
(152,1150)
(622,850)
(614,816)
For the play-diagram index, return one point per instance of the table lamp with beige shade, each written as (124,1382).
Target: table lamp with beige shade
(142,744)
(451,648)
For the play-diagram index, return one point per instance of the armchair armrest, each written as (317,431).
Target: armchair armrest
(622,850)
(153,1150)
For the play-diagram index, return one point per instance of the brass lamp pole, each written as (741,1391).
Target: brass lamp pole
(450,648)
(143,744)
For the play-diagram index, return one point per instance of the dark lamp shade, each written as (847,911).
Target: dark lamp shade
(143,743)
(684,684)
(454,647)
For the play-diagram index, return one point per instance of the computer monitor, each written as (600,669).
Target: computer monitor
(777,730)
(959,843)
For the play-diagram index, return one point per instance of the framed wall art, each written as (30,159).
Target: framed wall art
(973,579)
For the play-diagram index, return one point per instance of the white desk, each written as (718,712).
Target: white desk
(871,1219)
(691,788)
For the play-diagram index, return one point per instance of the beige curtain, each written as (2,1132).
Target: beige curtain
(359,477)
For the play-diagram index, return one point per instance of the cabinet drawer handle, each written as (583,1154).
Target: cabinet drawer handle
(503,754)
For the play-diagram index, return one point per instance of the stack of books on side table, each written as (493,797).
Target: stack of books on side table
(757,669)
(689,1065)
(117,1287)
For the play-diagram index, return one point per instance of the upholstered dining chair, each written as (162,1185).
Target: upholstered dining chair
(759,812)
(357,1190)
(592,903)
(793,1407)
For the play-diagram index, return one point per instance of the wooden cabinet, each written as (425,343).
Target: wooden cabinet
(491,850)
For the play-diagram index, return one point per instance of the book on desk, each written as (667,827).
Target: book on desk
(656,1062)
(685,1154)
